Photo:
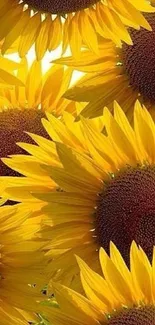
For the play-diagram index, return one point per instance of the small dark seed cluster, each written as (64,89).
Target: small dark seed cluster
(60,6)
(139,60)
(126,211)
(13,123)
(135,316)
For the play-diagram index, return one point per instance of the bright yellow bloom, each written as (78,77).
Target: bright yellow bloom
(95,182)
(21,108)
(48,23)
(120,296)
(21,263)
(124,74)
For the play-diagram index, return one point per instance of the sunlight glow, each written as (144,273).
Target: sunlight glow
(46,61)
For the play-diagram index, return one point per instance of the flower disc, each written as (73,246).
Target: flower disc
(135,316)
(60,6)
(126,211)
(13,125)
(139,60)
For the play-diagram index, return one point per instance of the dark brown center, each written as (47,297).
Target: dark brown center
(135,316)
(13,123)
(60,6)
(126,211)
(139,60)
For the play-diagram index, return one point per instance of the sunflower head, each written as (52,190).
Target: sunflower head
(139,61)
(99,185)
(60,7)
(134,316)
(123,74)
(127,203)
(14,124)
(22,108)
(48,23)
(120,295)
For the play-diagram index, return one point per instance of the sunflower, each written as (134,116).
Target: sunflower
(21,263)
(47,23)
(21,108)
(123,74)
(120,296)
(93,183)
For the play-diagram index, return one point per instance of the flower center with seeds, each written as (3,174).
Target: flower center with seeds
(126,211)
(60,6)
(139,60)
(135,316)
(13,124)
